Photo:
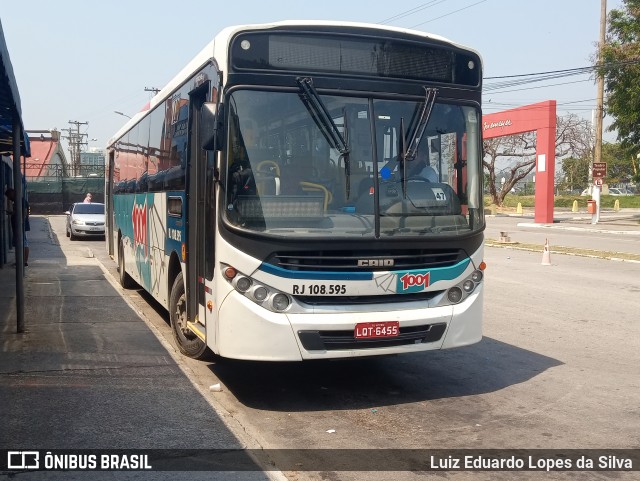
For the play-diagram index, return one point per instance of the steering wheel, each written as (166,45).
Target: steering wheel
(419,178)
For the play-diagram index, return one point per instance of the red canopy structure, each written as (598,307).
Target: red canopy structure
(539,118)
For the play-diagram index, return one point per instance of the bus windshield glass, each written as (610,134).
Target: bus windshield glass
(338,167)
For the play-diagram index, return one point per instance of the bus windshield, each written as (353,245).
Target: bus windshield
(339,166)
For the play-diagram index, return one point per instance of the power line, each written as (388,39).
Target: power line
(520,79)
(514,82)
(591,67)
(524,79)
(497,91)
(450,13)
(406,13)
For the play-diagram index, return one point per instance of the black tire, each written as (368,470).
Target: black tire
(126,281)
(188,343)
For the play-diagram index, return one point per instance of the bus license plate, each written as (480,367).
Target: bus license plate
(369,330)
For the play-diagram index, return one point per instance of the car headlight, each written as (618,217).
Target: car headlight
(77,222)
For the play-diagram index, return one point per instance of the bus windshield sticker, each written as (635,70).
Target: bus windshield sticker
(439,194)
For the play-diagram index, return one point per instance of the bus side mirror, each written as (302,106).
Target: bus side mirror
(210,126)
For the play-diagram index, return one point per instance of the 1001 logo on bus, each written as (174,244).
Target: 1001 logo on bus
(139,221)
(412,281)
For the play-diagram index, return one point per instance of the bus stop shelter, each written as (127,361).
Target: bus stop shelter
(14,142)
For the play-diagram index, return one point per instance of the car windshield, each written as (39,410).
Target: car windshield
(89,209)
(287,175)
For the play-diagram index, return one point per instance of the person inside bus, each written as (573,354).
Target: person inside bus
(246,143)
(242,181)
(419,167)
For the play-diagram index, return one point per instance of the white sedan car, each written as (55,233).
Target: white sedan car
(86,220)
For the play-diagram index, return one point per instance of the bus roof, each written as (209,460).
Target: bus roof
(218,49)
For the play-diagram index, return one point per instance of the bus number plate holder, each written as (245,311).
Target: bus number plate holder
(372,330)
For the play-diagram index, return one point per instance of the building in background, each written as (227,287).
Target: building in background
(47,156)
(52,183)
(92,163)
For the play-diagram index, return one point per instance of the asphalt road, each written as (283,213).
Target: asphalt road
(573,230)
(557,368)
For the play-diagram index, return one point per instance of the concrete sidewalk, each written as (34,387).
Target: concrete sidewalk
(88,373)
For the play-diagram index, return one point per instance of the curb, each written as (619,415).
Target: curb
(232,422)
(580,229)
(611,256)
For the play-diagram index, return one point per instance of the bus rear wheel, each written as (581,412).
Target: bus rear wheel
(188,343)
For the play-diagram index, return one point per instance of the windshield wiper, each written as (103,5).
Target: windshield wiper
(409,153)
(325,123)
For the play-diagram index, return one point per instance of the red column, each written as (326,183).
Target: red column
(545,165)
(541,118)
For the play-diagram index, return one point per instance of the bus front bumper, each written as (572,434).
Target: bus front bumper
(249,331)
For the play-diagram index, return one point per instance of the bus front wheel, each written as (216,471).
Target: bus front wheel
(188,343)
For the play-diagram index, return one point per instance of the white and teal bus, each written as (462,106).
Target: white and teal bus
(308,190)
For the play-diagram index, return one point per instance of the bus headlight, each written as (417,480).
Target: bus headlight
(456,294)
(266,296)
(243,284)
(260,293)
(468,285)
(280,302)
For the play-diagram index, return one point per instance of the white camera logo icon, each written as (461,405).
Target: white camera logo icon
(23,460)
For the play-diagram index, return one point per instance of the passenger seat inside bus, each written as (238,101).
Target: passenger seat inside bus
(297,179)
(267,176)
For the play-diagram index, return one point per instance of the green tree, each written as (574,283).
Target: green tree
(620,67)
(620,160)
(576,172)
(620,167)
(514,157)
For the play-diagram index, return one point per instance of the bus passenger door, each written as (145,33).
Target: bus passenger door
(108,202)
(196,191)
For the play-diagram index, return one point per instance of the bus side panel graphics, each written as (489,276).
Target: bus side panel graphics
(311,283)
(418,280)
(135,226)
(142,205)
(157,237)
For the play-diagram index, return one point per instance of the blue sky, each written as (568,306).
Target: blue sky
(79,60)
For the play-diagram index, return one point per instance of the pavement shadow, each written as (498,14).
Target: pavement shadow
(485,367)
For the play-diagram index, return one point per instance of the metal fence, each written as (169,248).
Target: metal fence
(54,195)
(47,171)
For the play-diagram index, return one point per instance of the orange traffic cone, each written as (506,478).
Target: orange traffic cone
(546,257)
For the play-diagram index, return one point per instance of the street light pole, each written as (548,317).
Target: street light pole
(120,113)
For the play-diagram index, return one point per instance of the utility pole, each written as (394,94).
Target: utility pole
(76,141)
(597,150)
(597,153)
